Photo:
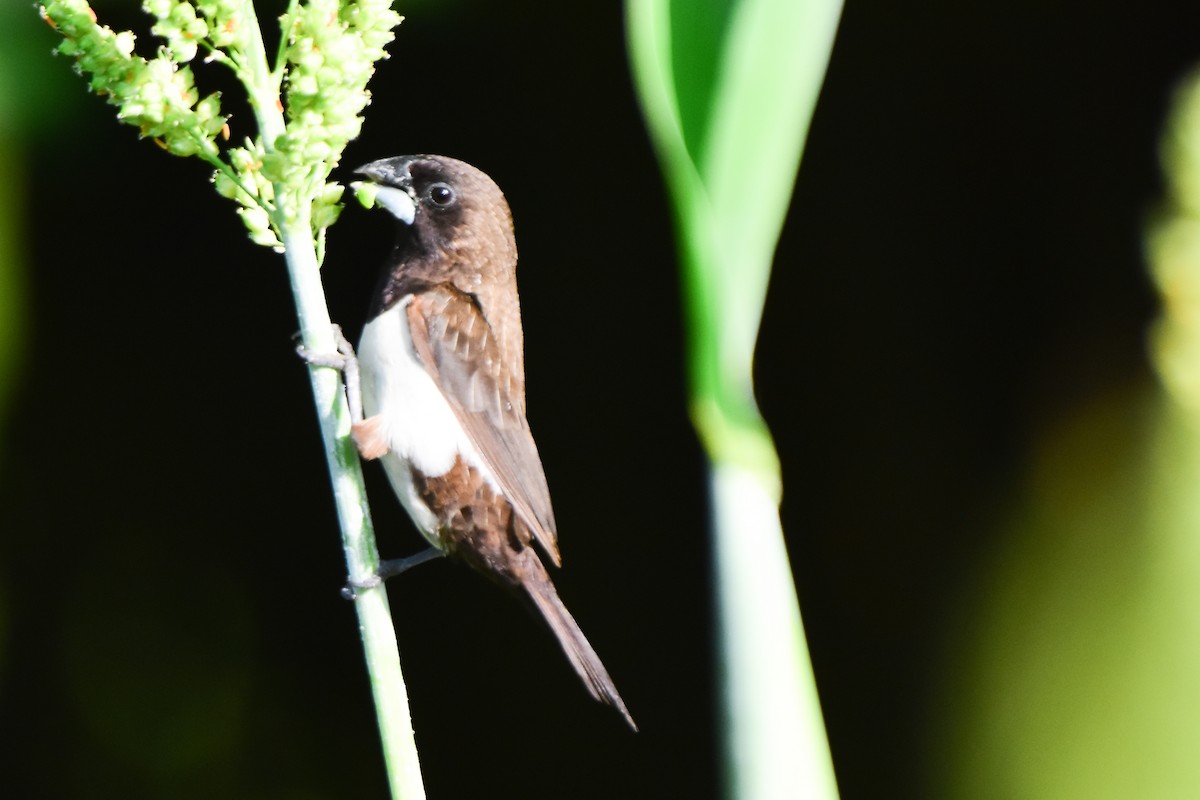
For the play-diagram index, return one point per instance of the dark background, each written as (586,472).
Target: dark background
(961,268)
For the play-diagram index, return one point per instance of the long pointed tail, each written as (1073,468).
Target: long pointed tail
(579,651)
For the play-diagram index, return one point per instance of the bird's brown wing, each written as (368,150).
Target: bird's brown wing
(456,344)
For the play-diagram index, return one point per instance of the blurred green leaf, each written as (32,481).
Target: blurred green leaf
(728,92)
(1076,677)
(35,91)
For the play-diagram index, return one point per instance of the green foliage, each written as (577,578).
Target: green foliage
(326,58)
(156,96)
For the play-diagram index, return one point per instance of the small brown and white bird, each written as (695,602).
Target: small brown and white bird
(443,389)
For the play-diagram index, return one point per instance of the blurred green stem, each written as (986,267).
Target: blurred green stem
(12,267)
(776,738)
(728,90)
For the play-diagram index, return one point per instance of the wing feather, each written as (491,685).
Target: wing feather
(456,344)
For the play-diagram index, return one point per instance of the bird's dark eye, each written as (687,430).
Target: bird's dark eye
(442,195)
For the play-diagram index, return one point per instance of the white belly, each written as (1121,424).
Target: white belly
(419,425)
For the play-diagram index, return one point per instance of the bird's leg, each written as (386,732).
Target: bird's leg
(346,362)
(393,567)
(390,569)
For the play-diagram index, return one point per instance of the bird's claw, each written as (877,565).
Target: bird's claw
(352,588)
(346,362)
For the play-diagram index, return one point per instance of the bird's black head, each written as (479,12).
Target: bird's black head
(445,206)
(454,227)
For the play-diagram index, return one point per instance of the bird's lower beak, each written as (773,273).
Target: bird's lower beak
(394,187)
(398,202)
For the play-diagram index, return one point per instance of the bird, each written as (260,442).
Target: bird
(442,378)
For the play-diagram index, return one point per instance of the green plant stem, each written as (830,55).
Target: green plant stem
(358,536)
(345,470)
(261,83)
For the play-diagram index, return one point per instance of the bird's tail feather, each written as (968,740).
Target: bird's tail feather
(576,646)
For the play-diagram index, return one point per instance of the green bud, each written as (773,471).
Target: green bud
(365,192)
(326,208)
(331,193)
(258,224)
(226,186)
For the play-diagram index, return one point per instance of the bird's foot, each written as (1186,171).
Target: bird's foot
(345,361)
(338,360)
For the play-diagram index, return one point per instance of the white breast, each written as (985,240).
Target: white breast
(419,424)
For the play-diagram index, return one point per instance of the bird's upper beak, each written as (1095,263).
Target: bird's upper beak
(395,192)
